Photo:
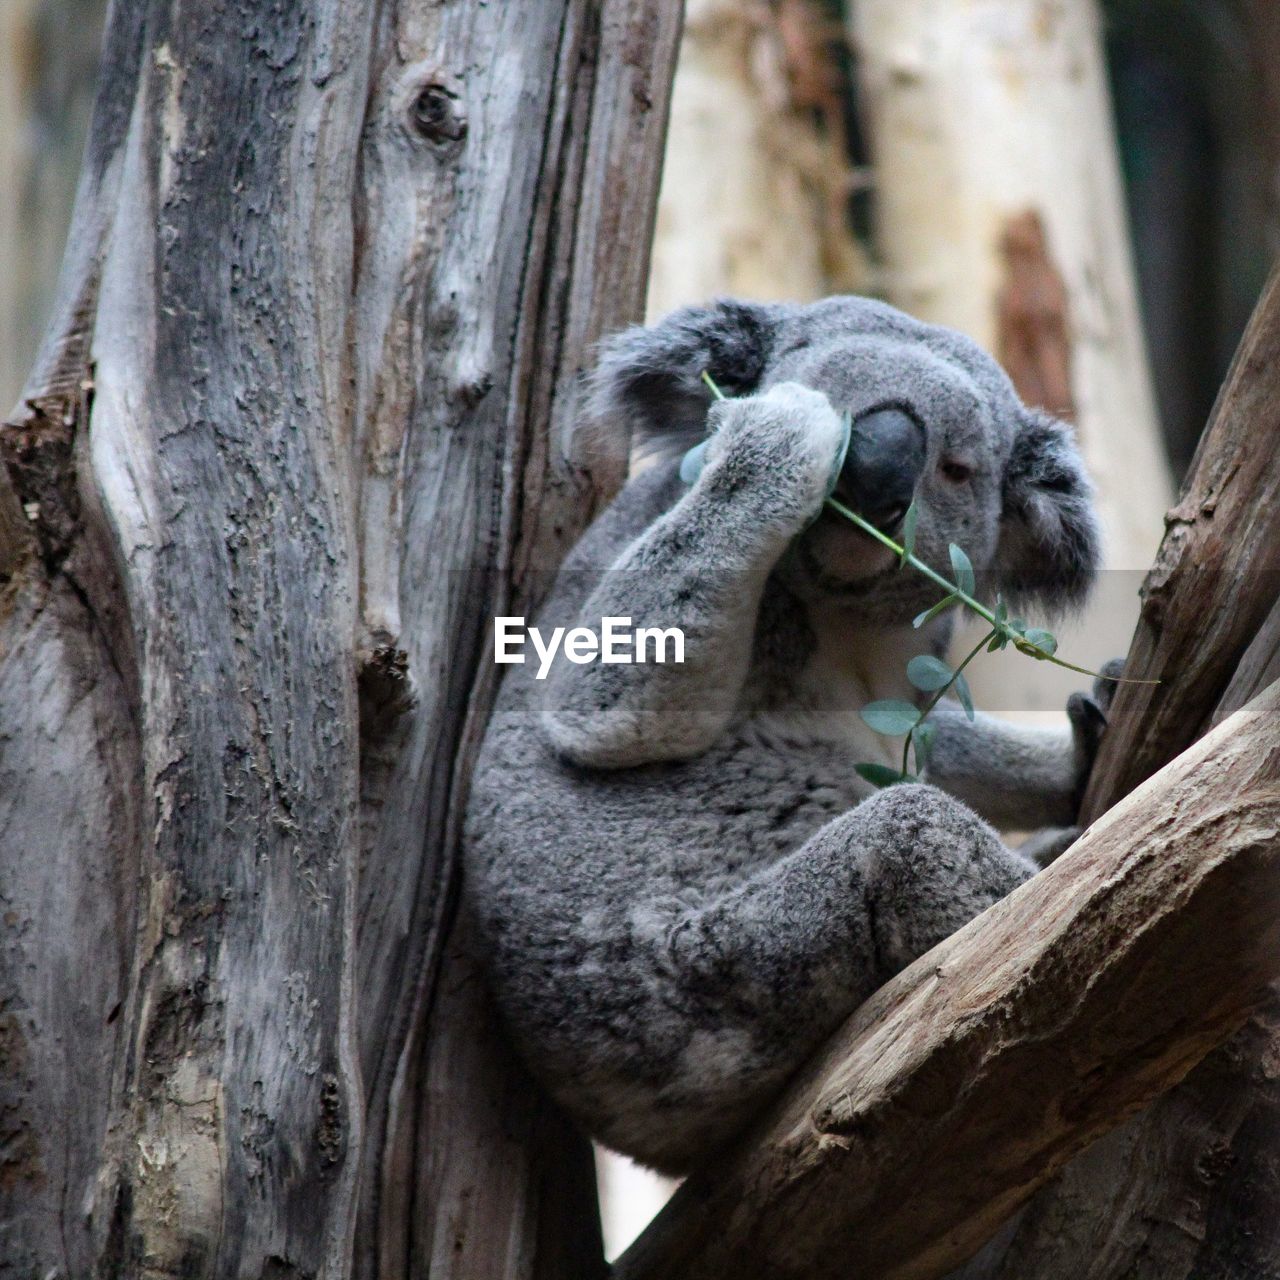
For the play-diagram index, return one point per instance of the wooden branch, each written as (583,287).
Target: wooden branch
(1215,574)
(1259,667)
(471,379)
(1160,1197)
(971,1077)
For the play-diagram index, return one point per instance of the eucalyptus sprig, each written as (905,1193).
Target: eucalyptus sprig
(895,716)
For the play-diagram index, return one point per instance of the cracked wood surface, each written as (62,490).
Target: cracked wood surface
(1215,577)
(333,270)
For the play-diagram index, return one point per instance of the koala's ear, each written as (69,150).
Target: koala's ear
(1049,545)
(649,381)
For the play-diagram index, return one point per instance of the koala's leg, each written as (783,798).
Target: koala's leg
(700,567)
(773,967)
(859,900)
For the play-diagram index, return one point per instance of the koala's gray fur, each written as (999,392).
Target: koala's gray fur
(681,883)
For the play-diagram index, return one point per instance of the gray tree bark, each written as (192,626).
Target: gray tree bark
(293,437)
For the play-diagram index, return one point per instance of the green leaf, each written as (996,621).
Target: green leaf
(922,737)
(909,533)
(963,569)
(1002,614)
(891,716)
(880,775)
(928,673)
(1045,641)
(961,687)
(998,641)
(1018,624)
(693,462)
(929,614)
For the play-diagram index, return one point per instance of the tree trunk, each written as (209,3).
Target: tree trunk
(1214,579)
(291,441)
(1191,1186)
(756,185)
(1000,212)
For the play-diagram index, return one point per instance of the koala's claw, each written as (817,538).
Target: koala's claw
(1088,724)
(1088,716)
(1104,690)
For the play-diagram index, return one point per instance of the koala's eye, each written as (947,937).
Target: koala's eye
(956,472)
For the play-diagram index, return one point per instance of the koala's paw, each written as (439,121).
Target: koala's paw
(1104,689)
(788,436)
(1088,716)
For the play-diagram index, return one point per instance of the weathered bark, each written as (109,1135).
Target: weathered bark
(1215,577)
(1191,1186)
(293,438)
(1258,668)
(1186,1189)
(968,1079)
(520,318)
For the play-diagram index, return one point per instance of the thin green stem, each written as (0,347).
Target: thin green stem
(914,561)
(942,693)
(963,597)
(1039,654)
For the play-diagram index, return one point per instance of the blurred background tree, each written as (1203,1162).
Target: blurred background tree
(48,59)
(769,189)
(1196,88)
(1091,190)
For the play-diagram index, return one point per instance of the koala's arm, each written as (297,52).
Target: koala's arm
(701,566)
(1016,776)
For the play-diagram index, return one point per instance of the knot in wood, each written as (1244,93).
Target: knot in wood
(435,115)
(386,688)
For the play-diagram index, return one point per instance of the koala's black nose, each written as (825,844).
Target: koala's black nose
(885,459)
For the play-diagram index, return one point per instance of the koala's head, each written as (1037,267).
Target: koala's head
(935,419)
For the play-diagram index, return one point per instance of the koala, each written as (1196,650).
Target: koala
(681,884)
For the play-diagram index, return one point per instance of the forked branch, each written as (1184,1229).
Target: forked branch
(962,1085)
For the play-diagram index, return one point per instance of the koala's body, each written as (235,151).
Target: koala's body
(681,884)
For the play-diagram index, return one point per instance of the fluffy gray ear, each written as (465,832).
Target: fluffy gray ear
(1049,545)
(649,381)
